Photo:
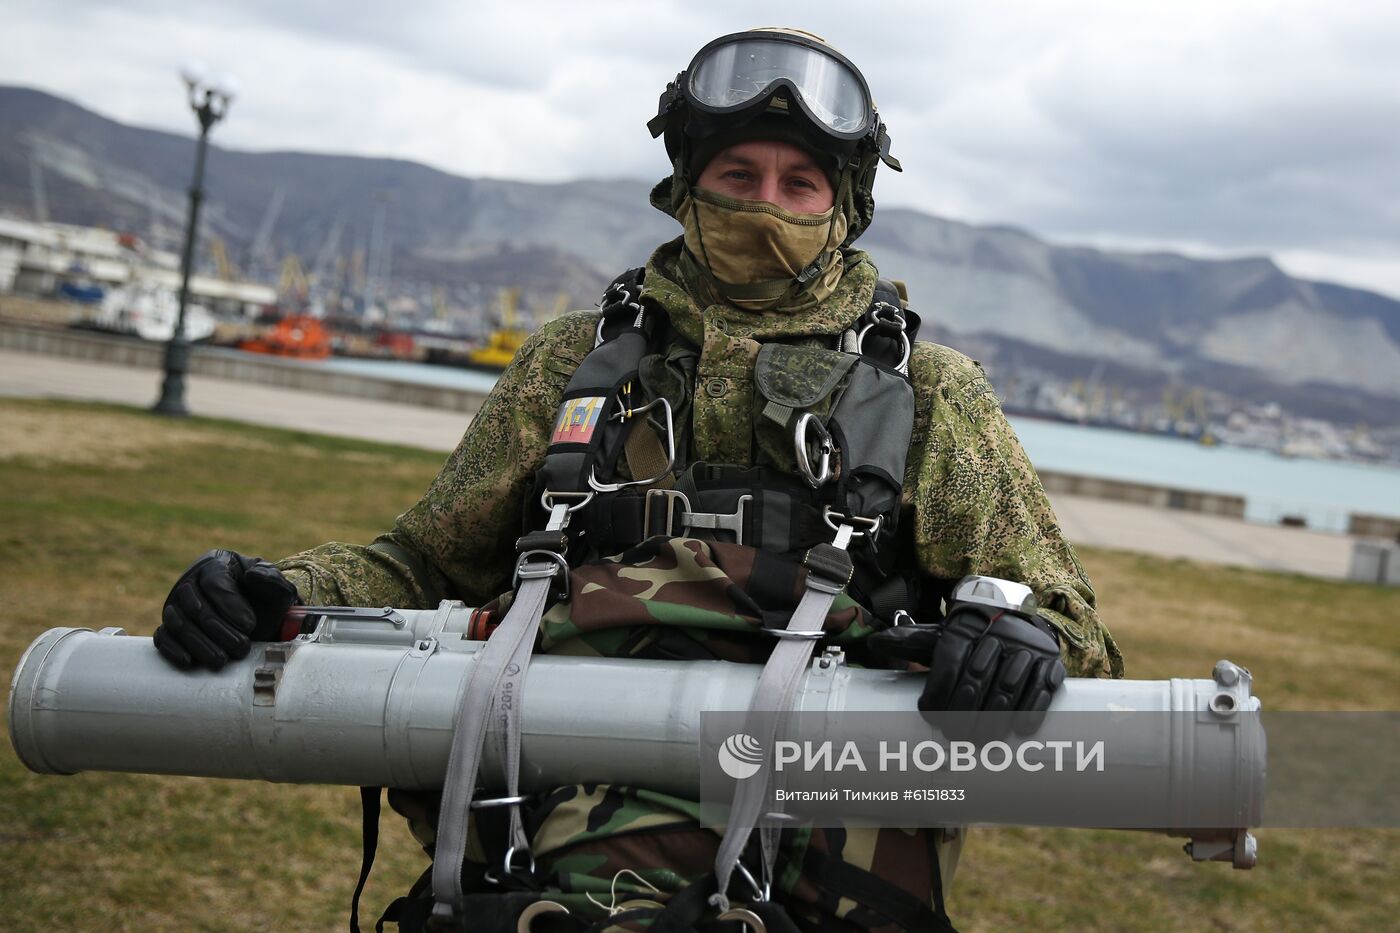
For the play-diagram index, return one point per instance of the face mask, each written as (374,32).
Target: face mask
(756,243)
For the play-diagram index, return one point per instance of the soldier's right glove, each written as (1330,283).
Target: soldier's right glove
(994,660)
(221,605)
(982,659)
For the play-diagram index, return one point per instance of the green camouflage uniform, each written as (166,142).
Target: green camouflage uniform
(973,504)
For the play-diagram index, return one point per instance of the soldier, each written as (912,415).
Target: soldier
(749,415)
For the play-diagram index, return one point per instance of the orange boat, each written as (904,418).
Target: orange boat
(299,336)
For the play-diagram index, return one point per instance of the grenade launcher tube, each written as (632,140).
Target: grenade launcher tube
(369,699)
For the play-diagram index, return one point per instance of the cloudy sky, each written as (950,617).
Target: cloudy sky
(1217,128)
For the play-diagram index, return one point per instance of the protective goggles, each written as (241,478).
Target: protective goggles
(737,72)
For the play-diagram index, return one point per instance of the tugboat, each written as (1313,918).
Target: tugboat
(299,336)
(503,343)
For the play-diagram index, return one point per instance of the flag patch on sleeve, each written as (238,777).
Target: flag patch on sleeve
(577,419)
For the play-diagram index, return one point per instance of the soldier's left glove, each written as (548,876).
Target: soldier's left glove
(982,659)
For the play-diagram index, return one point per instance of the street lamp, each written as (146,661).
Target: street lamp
(209,99)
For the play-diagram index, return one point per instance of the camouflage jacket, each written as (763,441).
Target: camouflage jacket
(972,497)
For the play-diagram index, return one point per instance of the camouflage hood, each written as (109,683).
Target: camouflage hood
(683,293)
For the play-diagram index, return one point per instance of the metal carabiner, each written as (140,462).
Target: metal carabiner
(624,414)
(761,892)
(824,445)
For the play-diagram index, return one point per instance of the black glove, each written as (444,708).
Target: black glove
(982,659)
(221,605)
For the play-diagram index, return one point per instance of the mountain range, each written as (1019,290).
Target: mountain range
(1145,320)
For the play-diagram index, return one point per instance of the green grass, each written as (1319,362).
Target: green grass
(102,507)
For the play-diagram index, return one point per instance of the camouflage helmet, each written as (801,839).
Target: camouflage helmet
(775,83)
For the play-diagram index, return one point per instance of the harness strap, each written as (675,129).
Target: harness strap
(767,519)
(369,837)
(873,892)
(493,691)
(829,570)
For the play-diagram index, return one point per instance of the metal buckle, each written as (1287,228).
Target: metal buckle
(761,892)
(624,414)
(872,525)
(508,867)
(670,495)
(719,521)
(491,802)
(557,563)
(799,444)
(507,863)
(548,496)
(790,635)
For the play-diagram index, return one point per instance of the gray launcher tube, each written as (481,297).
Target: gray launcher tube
(369,697)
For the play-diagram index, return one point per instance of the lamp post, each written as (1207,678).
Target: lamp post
(209,99)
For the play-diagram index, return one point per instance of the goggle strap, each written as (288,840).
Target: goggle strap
(882,145)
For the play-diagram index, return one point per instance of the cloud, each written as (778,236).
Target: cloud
(1244,127)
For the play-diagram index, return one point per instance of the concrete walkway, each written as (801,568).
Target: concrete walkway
(28,375)
(1093,522)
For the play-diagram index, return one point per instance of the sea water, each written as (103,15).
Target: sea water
(1322,492)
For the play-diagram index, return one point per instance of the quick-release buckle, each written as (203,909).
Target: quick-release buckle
(672,515)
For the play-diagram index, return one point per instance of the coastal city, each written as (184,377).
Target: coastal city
(351,306)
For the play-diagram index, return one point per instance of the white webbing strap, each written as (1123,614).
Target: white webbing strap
(493,691)
(772,702)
